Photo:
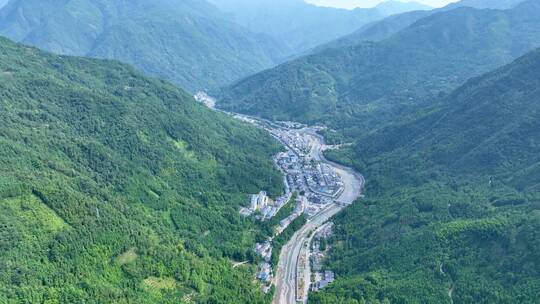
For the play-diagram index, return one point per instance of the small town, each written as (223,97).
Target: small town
(317,186)
(315,181)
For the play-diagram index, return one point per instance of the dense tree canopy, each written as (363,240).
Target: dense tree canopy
(356,88)
(121,188)
(453,205)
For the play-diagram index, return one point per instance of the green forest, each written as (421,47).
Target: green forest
(190,43)
(119,188)
(354,89)
(452,208)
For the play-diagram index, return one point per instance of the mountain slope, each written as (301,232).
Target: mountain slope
(294,21)
(391,7)
(453,208)
(118,188)
(380,30)
(365,85)
(187,42)
(376,31)
(481,4)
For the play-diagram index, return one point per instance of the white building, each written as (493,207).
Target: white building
(254,202)
(263,200)
(259,201)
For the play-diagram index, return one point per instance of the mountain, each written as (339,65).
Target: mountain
(380,30)
(367,85)
(481,4)
(119,188)
(294,21)
(187,42)
(375,31)
(389,8)
(453,207)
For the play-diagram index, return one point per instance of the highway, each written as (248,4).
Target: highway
(288,260)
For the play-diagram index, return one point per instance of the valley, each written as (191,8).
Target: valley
(304,146)
(221,159)
(292,278)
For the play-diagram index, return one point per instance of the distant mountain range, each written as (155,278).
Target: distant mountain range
(481,4)
(379,30)
(373,82)
(391,7)
(302,26)
(195,44)
(188,42)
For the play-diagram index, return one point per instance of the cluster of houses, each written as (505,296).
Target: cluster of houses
(264,206)
(304,174)
(317,185)
(264,250)
(321,179)
(299,208)
(265,273)
(325,279)
(320,278)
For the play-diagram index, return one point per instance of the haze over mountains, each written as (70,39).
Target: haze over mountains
(187,42)
(373,82)
(302,26)
(190,43)
(379,30)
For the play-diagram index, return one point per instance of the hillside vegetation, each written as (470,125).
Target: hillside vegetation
(452,213)
(118,188)
(385,28)
(301,25)
(372,83)
(187,42)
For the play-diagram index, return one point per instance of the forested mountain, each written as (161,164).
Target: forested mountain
(188,42)
(118,188)
(301,25)
(391,7)
(374,82)
(376,31)
(452,213)
(382,29)
(493,4)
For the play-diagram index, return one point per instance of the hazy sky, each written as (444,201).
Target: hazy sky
(371,3)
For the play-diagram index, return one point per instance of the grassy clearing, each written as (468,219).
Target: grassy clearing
(127,257)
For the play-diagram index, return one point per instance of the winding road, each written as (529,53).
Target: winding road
(286,271)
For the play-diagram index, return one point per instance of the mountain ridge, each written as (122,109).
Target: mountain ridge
(380,30)
(294,22)
(452,207)
(190,43)
(368,84)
